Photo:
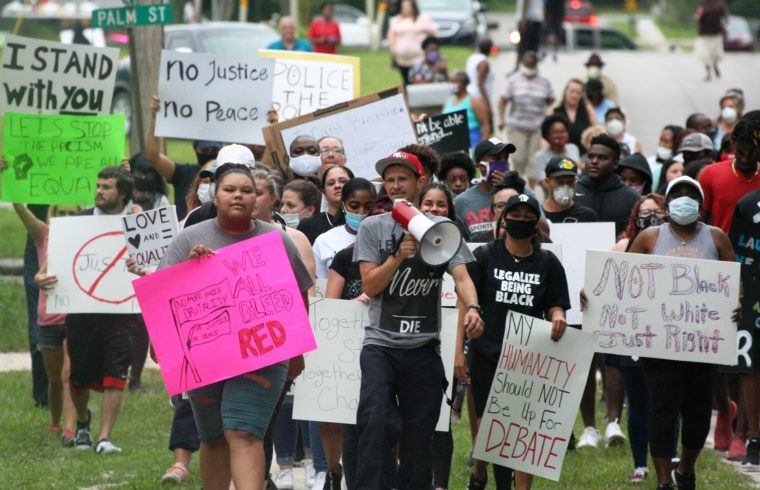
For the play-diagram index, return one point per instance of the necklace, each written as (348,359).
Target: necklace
(679,237)
(736,174)
(517,258)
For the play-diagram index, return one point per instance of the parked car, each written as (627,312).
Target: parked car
(233,38)
(738,35)
(459,21)
(354,26)
(580,36)
(580,12)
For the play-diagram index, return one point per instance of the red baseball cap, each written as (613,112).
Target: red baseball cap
(404,158)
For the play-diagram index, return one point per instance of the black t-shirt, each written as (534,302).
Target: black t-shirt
(343,263)
(313,226)
(205,211)
(578,213)
(182,180)
(531,286)
(745,235)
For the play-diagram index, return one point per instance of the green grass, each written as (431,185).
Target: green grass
(678,31)
(13,233)
(13,325)
(33,460)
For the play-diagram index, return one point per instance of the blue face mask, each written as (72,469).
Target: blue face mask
(684,210)
(354,220)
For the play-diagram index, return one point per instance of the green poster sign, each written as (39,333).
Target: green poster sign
(139,15)
(56,159)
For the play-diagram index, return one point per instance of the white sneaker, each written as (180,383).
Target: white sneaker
(613,435)
(319,481)
(284,479)
(589,438)
(105,446)
(309,473)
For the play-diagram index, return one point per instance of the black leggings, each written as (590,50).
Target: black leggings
(674,388)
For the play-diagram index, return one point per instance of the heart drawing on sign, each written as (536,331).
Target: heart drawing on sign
(134,241)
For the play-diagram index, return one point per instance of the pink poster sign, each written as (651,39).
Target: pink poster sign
(220,316)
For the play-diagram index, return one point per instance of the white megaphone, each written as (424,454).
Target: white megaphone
(438,241)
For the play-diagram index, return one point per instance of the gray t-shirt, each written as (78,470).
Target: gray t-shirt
(407,314)
(473,208)
(210,234)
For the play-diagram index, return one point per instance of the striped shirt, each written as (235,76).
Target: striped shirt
(528,100)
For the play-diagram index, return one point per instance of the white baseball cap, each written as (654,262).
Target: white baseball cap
(235,153)
(686,180)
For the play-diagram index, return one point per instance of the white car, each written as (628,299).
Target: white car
(355,26)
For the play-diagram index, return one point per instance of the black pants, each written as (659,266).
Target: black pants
(400,400)
(139,354)
(184,434)
(674,388)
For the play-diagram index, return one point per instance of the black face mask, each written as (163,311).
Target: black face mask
(650,220)
(204,158)
(146,203)
(142,184)
(521,229)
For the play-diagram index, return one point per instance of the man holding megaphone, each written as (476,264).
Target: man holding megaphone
(402,256)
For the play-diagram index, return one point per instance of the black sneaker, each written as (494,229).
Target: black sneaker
(752,459)
(477,484)
(682,481)
(83,439)
(332,482)
(665,486)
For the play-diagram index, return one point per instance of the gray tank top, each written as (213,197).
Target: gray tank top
(702,246)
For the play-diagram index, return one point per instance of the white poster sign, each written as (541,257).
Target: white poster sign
(534,397)
(214,97)
(88,255)
(448,291)
(369,132)
(45,77)
(328,389)
(662,307)
(575,239)
(307,82)
(149,234)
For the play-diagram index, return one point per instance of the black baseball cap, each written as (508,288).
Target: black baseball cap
(560,166)
(492,146)
(523,199)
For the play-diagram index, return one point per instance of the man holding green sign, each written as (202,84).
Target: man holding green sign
(56,159)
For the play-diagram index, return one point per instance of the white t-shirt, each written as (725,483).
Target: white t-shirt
(535,10)
(327,245)
(471,68)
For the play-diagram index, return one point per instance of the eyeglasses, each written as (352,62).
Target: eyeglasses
(660,213)
(325,151)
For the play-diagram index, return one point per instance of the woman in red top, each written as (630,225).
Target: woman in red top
(324,32)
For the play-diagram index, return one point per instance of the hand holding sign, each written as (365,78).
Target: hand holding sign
(149,234)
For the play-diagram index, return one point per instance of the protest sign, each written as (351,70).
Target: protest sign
(534,397)
(371,127)
(214,97)
(328,389)
(575,239)
(149,234)
(445,132)
(662,307)
(88,256)
(242,305)
(749,327)
(56,159)
(307,82)
(448,292)
(45,77)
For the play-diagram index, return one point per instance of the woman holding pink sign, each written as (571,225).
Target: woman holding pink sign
(233,415)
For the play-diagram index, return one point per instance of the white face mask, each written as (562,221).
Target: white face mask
(206,192)
(291,219)
(728,114)
(594,72)
(528,72)
(563,194)
(615,127)
(305,165)
(664,153)
(453,88)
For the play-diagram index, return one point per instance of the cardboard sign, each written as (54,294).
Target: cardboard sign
(662,307)
(214,97)
(371,127)
(45,77)
(228,314)
(445,132)
(149,234)
(575,239)
(328,389)
(534,397)
(88,256)
(307,82)
(448,291)
(56,159)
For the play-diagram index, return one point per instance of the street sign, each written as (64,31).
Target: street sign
(139,15)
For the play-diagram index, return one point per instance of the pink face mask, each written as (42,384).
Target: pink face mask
(559,140)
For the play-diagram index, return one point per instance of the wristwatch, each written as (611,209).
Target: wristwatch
(477,308)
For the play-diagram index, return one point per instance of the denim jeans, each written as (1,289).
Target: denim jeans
(400,400)
(39,375)
(184,434)
(286,437)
